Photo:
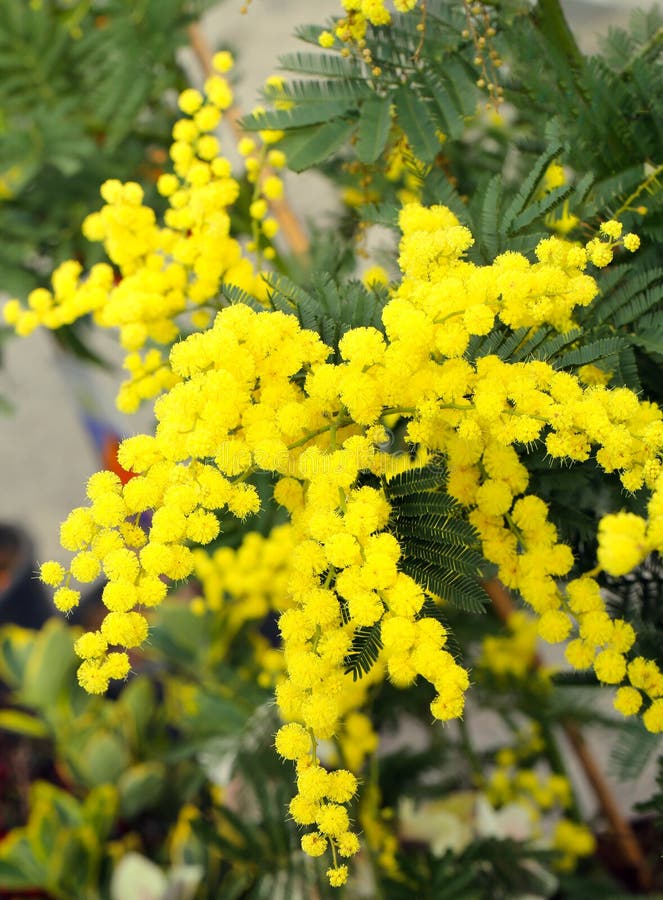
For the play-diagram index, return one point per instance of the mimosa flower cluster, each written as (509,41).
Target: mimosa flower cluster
(256,392)
(360,13)
(165,279)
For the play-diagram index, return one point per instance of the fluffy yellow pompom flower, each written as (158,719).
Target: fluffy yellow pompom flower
(646,675)
(610,666)
(91,645)
(314,844)
(628,701)
(622,542)
(653,717)
(128,629)
(78,529)
(612,228)
(554,626)
(337,876)
(292,741)
(341,786)
(572,840)
(348,844)
(190,101)
(65,599)
(223,61)
(85,567)
(51,573)
(92,677)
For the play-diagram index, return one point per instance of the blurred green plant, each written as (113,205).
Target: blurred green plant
(144,771)
(87,92)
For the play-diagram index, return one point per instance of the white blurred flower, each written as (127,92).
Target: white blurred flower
(137,878)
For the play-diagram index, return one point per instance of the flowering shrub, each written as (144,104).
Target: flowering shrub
(398,426)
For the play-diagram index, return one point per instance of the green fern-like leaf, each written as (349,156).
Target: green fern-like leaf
(464,593)
(326,65)
(364,652)
(306,147)
(632,751)
(414,481)
(439,546)
(524,196)
(415,119)
(605,350)
(326,308)
(374,125)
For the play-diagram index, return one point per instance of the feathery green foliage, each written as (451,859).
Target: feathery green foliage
(84,96)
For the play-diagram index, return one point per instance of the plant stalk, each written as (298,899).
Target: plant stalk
(291,228)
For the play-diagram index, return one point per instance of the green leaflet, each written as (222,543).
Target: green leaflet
(325,308)
(529,186)
(440,548)
(418,124)
(374,125)
(305,147)
(364,652)
(327,65)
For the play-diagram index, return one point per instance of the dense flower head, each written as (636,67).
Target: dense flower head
(163,276)
(359,13)
(256,392)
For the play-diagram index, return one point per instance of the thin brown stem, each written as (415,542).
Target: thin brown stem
(291,228)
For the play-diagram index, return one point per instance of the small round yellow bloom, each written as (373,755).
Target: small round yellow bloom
(223,61)
(190,101)
(303,810)
(167,184)
(653,717)
(554,626)
(292,741)
(116,665)
(610,666)
(341,786)
(600,254)
(51,573)
(258,209)
(314,844)
(91,645)
(207,118)
(580,654)
(337,876)
(627,701)
(246,145)
(622,542)
(276,159)
(348,844)
(11,311)
(85,567)
(272,187)
(612,228)
(65,599)
(92,678)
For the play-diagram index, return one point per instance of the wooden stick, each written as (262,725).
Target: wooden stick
(291,228)
(625,837)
